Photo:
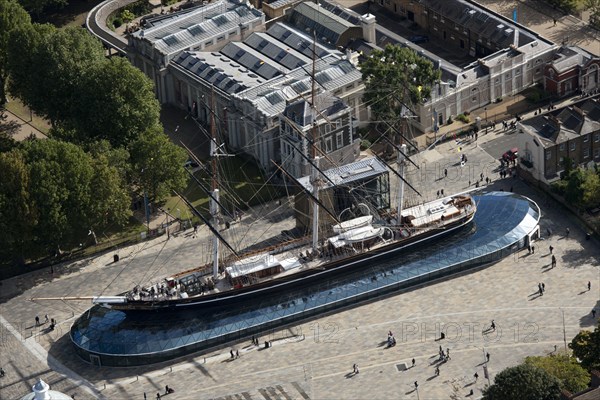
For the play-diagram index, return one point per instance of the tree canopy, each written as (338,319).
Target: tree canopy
(395,77)
(12,17)
(580,187)
(566,369)
(586,347)
(54,194)
(523,382)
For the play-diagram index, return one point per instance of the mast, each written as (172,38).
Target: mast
(214,206)
(314,178)
(401,166)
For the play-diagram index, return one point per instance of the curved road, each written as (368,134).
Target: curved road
(96,24)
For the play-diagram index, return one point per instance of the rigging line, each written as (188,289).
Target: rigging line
(399,176)
(212,228)
(307,192)
(399,149)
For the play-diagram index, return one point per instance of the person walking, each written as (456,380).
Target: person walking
(37,321)
(487,356)
(355,369)
(413,362)
(532,247)
(493,325)
(543,287)
(445,172)
(553,261)
(551,248)
(437,371)
(416,385)
(46,321)
(567,231)
(476,376)
(589,286)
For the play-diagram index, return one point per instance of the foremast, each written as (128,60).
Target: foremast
(214,206)
(313,153)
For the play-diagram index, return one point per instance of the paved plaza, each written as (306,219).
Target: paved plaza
(316,362)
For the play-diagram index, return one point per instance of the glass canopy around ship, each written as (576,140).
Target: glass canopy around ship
(502,225)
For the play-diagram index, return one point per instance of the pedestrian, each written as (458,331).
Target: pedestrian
(413,362)
(157,396)
(355,369)
(567,232)
(167,389)
(532,247)
(46,321)
(493,326)
(445,172)
(37,320)
(448,353)
(476,376)
(438,193)
(437,371)
(543,287)
(589,286)
(145,396)
(1,373)
(487,355)
(442,192)
(231,352)
(555,21)
(593,313)
(237,354)
(416,385)
(553,261)
(551,248)
(529,248)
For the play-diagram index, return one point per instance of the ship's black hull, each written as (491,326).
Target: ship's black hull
(297,280)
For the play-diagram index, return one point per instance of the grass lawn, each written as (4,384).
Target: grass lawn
(244,187)
(16,107)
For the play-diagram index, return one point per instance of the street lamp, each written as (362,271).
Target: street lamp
(486,119)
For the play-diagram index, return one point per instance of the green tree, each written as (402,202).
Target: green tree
(395,77)
(47,68)
(591,188)
(594,7)
(523,382)
(37,7)
(566,369)
(566,5)
(157,165)
(17,217)
(72,192)
(12,18)
(573,191)
(586,347)
(116,103)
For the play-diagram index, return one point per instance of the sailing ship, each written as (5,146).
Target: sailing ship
(346,245)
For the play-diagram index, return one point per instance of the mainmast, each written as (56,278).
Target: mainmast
(214,206)
(401,166)
(314,177)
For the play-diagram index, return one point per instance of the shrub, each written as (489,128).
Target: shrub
(364,144)
(463,118)
(449,120)
(117,22)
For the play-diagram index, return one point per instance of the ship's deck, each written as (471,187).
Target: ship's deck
(501,226)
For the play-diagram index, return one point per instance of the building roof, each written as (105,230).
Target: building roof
(271,97)
(565,123)
(311,17)
(346,174)
(495,28)
(284,54)
(185,30)
(218,70)
(569,57)
(254,60)
(302,113)
(298,40)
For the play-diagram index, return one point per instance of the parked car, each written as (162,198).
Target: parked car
(511,155)
(416,39)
